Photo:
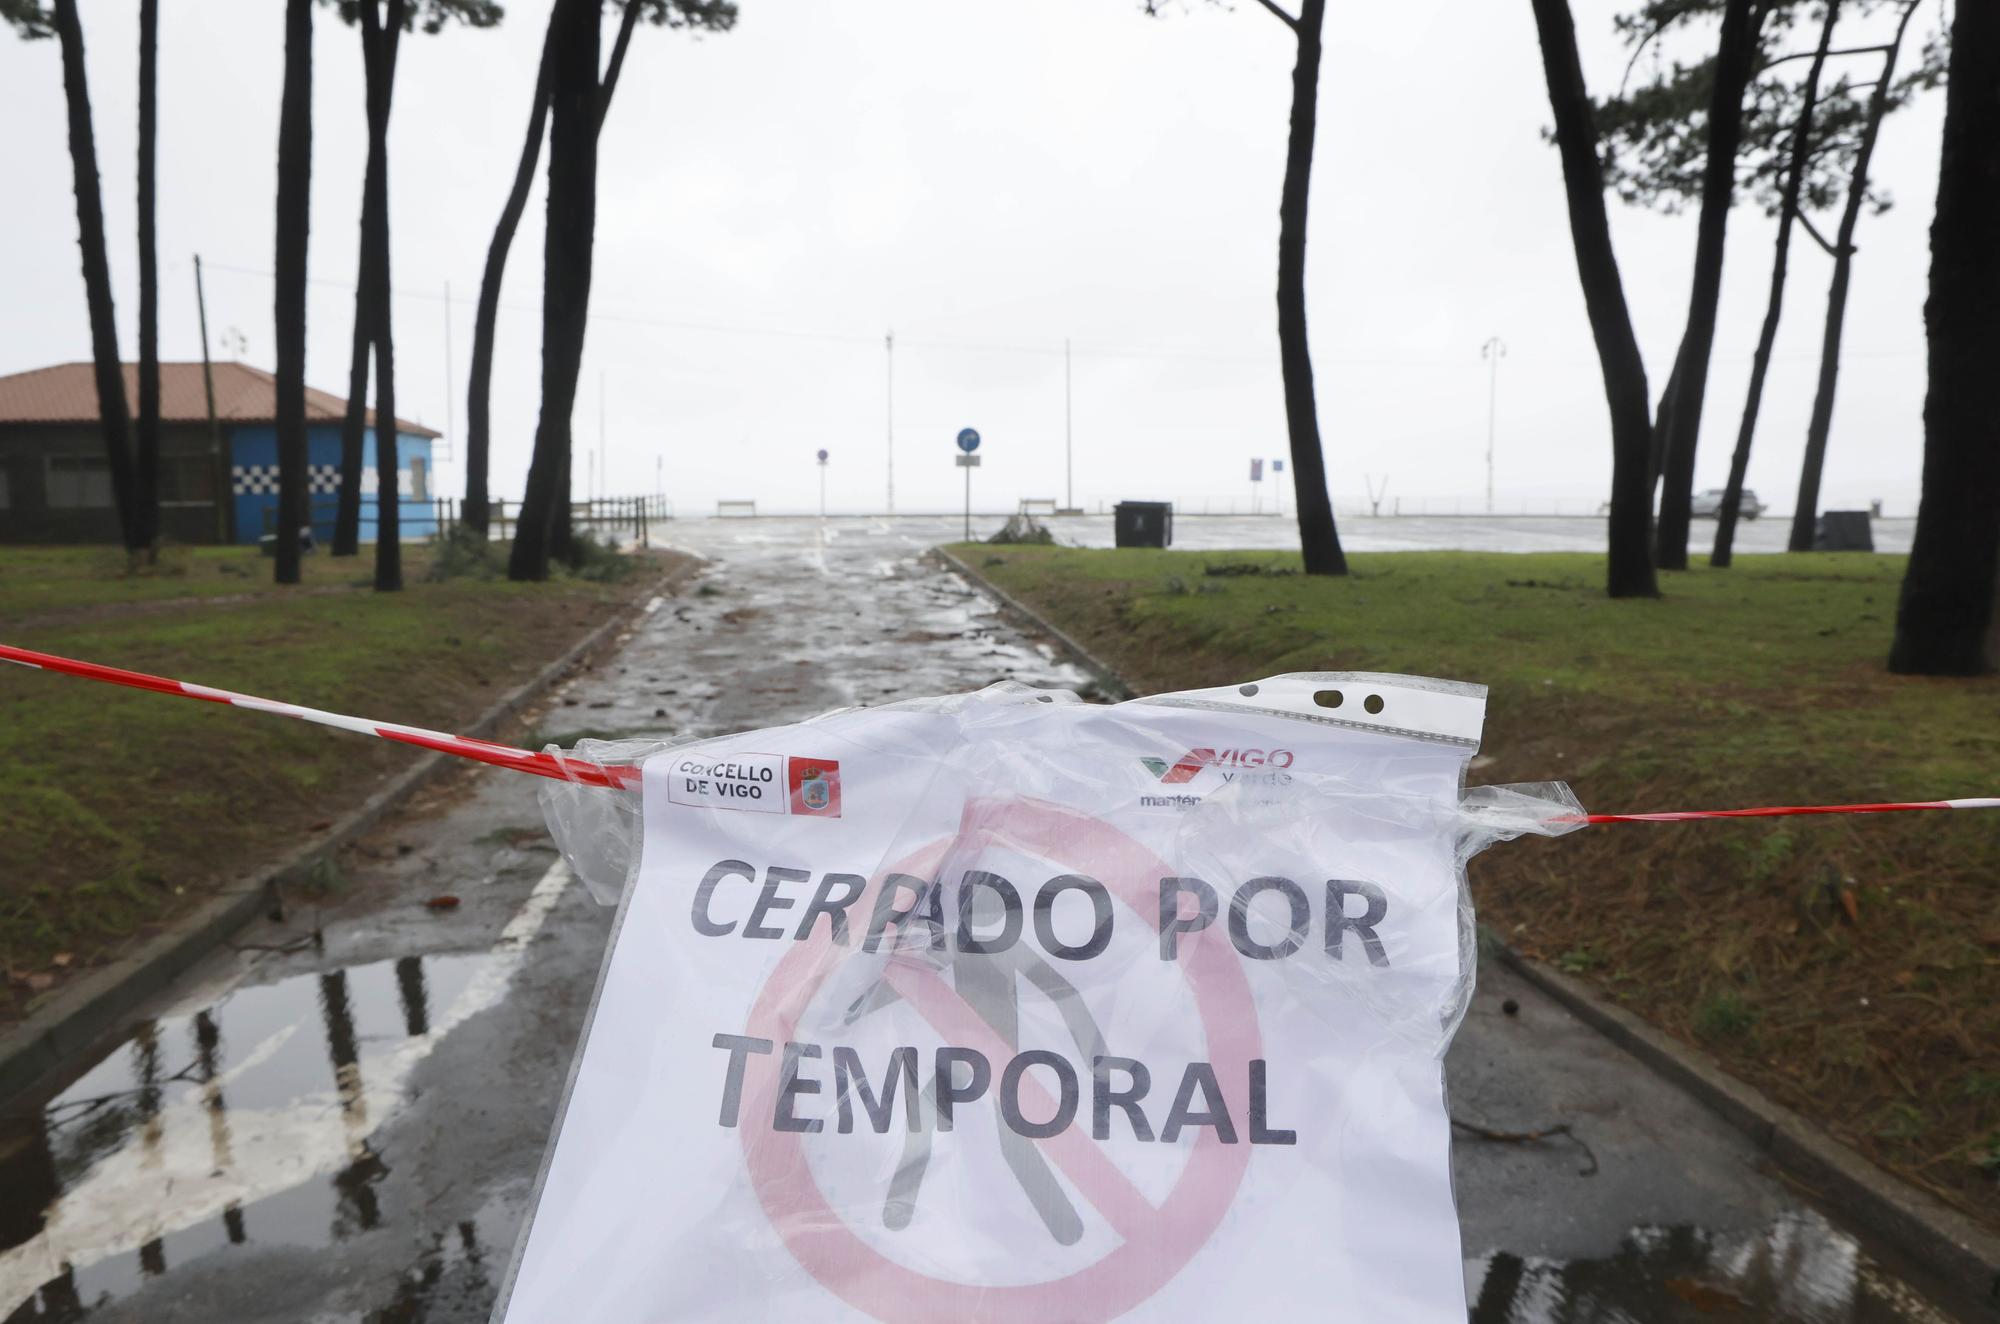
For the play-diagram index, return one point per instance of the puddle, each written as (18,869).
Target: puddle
(1799,1269)
(244,1124)
(458,1277)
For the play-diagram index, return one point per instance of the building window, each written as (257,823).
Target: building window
(79,482)
(420,487)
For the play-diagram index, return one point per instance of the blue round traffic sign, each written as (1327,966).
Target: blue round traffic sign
(968,440)
(822,456)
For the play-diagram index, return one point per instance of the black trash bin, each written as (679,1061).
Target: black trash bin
(1843,531)
(1143,523)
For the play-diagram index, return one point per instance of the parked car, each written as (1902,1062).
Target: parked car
(1708,505)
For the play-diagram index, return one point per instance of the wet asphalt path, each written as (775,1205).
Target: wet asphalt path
(349,1131)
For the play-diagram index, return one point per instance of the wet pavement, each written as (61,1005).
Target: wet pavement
(340,1118)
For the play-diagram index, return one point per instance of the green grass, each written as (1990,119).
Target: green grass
(122,807)
(1725,1015)
(37,581)
(1849,966)
(1761,662)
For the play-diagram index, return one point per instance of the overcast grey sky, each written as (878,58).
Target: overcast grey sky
(986,180)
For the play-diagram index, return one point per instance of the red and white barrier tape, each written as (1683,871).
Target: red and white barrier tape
(1789,811)
(563,768)
(484,751)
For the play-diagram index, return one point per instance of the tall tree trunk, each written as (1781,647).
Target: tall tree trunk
(114,418)
(354,423)
(388,508)
(1663,420)
(1319,541)
(572,221)
(379,39)
(476,511)
(146,476)
(562,531)
(294,224)
(1735,53)
(616,64)
(1950,610)
(562,512)
(1805,514)
(1629,573)
(388,495)
(1760,362)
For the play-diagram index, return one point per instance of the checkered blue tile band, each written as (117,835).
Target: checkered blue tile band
(260,479)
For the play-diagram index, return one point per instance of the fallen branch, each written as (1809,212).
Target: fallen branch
(1530,1137)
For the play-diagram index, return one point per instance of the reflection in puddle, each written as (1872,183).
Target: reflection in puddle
(244,1123)
(454,1278)
(172,1105)
(1800,1269)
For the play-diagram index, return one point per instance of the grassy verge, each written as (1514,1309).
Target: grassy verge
(1850,967)
(120,809)
(67,582)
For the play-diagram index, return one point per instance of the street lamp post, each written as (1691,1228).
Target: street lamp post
(224,503)
(889,412)
(1492,351)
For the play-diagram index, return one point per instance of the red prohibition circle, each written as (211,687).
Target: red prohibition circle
(1157,1241)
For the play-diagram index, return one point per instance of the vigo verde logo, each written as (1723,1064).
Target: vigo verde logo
(1189,765)
(1182,770)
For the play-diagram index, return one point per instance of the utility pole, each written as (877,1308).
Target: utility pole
(1492,351)
(1069,440)
(603,475)
(224,489)
(450,414)
(889,413)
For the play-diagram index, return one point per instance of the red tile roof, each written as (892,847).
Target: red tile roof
(67,393)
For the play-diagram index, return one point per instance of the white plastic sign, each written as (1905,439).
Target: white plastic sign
(1011,1008)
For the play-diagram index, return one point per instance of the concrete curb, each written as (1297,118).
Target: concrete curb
(1946,1243)
(1937,1238)
(98,1002)
(1108,680)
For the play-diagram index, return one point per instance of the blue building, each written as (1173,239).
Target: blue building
(253,480)
(55,484)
